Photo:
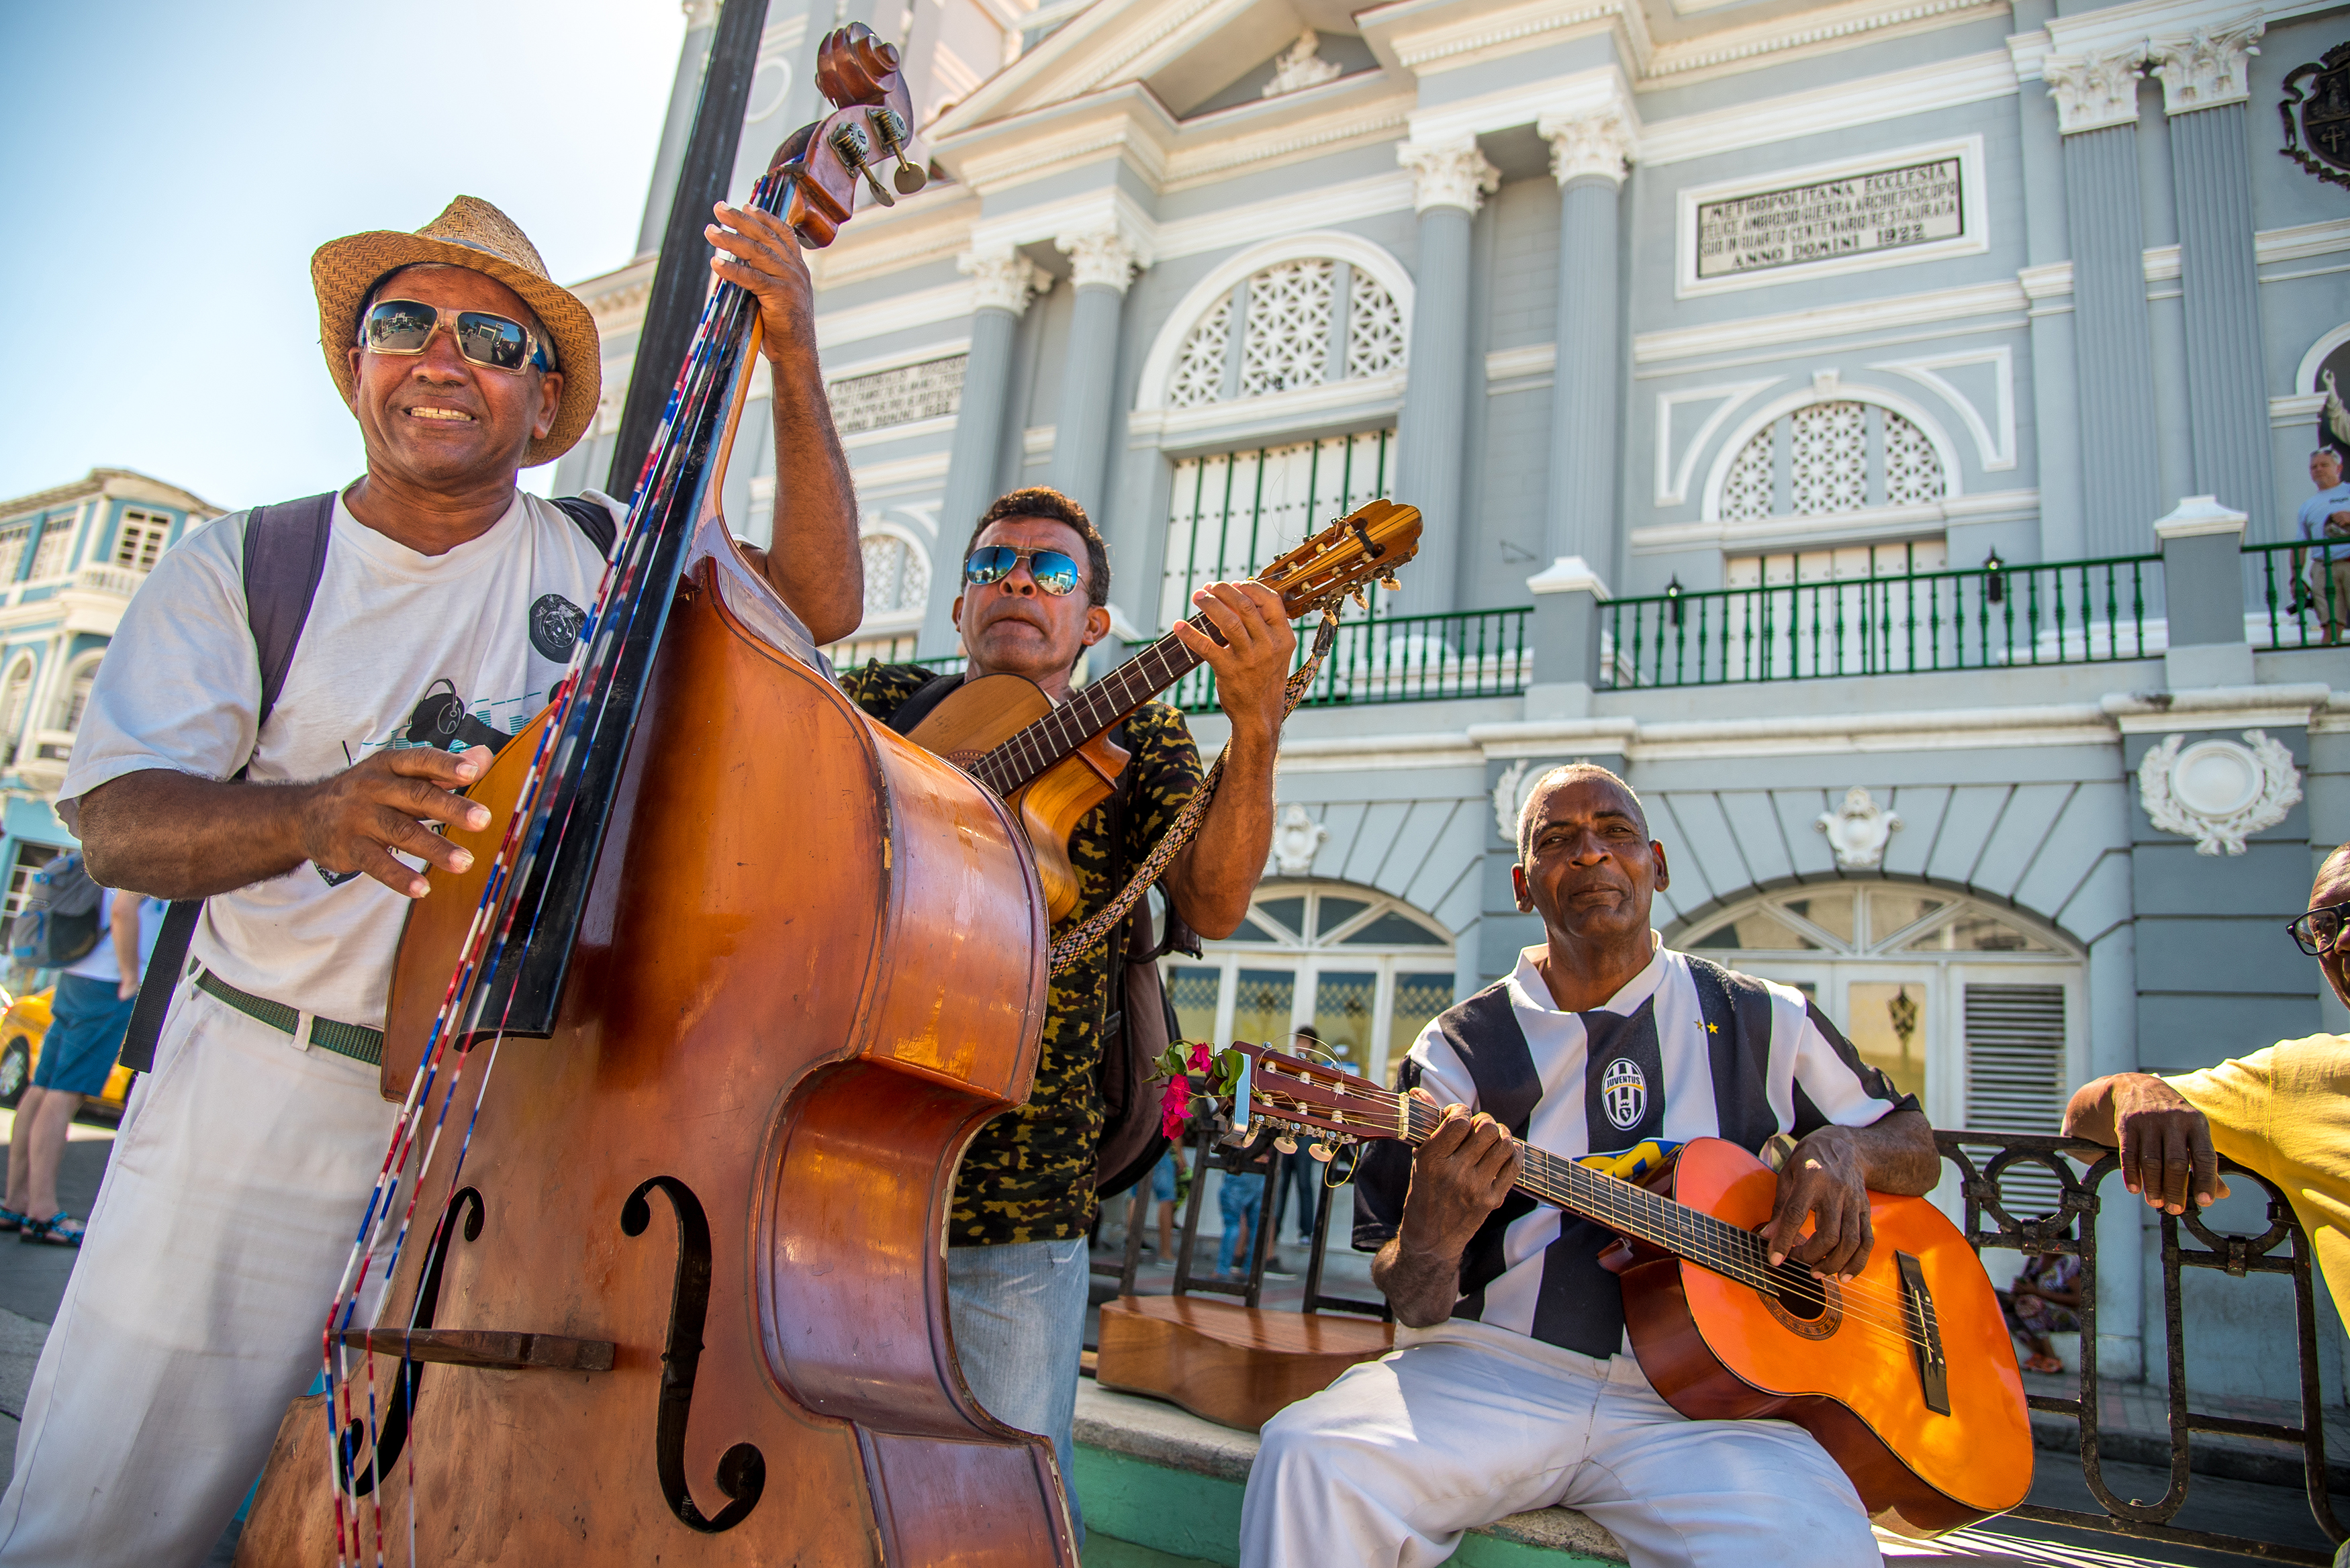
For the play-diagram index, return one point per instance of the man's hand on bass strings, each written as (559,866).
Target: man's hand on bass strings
(759,251)
(1252,663)
(354,820)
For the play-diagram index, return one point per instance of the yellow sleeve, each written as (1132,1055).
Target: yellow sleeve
(2237,1098)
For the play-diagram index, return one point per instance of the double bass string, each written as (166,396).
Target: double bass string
(586,686)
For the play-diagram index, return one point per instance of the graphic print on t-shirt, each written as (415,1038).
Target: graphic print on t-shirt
(441,720)
(1623,1079)
(555,623)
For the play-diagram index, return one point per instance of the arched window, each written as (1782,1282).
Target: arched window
(15,693)
(896,586)
(1300,323)
(1364,971)
(1974,1008)
(1828,457)
(76,696)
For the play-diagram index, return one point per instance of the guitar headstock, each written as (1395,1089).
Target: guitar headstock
(1367,544)
(1256,1086)
(872,119)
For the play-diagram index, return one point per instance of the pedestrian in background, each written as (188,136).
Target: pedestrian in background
(87,1015)
(2324,522)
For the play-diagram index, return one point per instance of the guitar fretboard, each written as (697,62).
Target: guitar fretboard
(1087,714)
(1680,1229)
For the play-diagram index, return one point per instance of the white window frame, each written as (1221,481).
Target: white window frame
(156,525)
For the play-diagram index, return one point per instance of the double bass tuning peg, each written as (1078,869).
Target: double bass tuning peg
(891,129)
(848,141)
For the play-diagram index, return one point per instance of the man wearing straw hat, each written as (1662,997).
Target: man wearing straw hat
(444,611)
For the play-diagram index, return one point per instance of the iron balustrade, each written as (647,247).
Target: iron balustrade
(2079,1168)
(1974,618)
(2294,603)
(1401,658)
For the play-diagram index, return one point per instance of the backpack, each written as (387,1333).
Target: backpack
(285,557)
(60,922)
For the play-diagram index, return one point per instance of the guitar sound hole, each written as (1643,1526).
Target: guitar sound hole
(1804,1304)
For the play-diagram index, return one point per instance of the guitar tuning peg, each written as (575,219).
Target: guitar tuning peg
(1361,601)
(1285,1143)
(1322,1152)
(1390,583)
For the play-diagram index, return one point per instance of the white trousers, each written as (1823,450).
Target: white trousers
(1468,1424)
(235,1189)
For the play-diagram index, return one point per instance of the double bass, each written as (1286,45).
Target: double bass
(738,973)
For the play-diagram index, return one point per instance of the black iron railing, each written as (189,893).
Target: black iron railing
(2282,1249)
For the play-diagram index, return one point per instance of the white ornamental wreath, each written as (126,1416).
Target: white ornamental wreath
(2279,792)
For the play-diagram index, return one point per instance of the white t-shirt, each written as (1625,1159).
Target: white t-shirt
(99,963)
(468,645)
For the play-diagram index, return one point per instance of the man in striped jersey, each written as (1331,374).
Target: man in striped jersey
(1513,1386)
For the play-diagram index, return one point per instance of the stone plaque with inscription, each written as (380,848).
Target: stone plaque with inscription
(1883,210)
(932,390)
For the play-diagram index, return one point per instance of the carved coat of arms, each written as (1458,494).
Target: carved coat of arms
(2316,113)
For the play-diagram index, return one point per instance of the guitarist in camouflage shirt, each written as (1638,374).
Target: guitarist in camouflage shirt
(1034,597)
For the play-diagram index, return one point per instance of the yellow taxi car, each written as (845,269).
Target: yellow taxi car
(22,1029)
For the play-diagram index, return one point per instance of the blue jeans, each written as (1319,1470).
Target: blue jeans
(1019,1317)
(1237,1200)
(87,1019)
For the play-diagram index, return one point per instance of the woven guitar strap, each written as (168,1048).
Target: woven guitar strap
(1109,917)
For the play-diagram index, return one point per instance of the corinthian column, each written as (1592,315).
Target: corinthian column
(1002,283)
(1102,263)
(1449,181)
(2096,112)
(1589,157)
(2205,83)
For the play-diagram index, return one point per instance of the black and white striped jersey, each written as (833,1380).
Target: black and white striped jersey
(1686,1050)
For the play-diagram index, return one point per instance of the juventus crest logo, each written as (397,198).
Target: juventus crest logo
(1624,1093)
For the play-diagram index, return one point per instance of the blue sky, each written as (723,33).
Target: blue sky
(166,169)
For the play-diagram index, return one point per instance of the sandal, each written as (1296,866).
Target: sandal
(60,1230)
(2042,1364)
(12,1220)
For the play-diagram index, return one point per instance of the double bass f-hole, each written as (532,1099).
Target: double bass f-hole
(393,1435)
(742,1470)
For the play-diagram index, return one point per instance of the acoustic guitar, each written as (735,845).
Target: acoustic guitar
(1053,763)
(1906,1374)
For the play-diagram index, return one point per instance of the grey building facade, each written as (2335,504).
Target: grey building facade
(1874,428)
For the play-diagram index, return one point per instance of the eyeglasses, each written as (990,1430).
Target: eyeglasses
(484,338)
(1053,572)
(2319,929)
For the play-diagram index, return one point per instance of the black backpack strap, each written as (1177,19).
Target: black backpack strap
(594,520)
(921,702)
(285,557)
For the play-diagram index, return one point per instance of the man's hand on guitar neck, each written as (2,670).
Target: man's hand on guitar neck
(1827,1180)
(1459,1175)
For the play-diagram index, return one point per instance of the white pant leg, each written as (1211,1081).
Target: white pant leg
(193,1314)
(1389,1465)
(1714,1494)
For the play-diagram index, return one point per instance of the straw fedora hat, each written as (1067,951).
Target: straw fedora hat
(469,232)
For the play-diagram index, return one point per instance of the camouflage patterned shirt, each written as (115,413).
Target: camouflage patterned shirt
(1029,1174)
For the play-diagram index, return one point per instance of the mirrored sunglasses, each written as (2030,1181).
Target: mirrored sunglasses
(486,338)
(1053,572)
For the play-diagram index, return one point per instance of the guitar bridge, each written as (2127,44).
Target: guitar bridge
(1925,1333)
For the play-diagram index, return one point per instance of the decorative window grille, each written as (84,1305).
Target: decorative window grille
(1233,512)
(54,554)
(1288,339)
(140,539)
(897,575)
(11,552)
(1828,461)
(1199,371)
(1913,470)
(2015,1077)
(930,391)
(1746,493)
(1375,343)
(1844,456)
(1301,323)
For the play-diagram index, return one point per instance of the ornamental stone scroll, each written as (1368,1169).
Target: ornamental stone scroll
(1002,280)
(2094,91)
(2218,792)
(2208,66)
(1597,142)
(1449,174)
(1103,258)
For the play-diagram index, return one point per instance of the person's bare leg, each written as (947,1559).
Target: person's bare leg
(48,1141)
(20,1147)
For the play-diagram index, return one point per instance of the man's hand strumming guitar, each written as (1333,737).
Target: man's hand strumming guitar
(1457,1176)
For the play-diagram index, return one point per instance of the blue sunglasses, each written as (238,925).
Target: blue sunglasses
(1052,571)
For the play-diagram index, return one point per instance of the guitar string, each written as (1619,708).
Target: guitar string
(1711,1243)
